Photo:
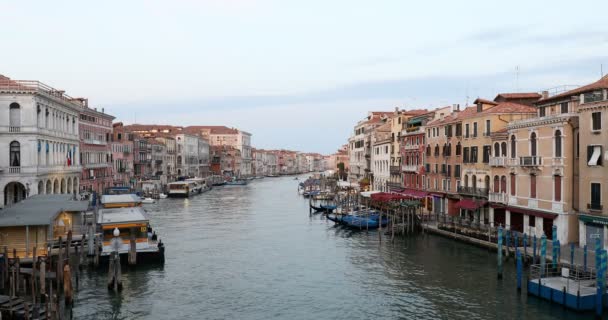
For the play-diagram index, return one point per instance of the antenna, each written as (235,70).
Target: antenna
(601,70)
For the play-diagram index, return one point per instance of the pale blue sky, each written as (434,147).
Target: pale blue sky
(297,74)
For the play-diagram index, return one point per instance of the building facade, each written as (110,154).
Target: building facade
(39,141)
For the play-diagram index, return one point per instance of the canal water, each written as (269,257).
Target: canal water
(253,252)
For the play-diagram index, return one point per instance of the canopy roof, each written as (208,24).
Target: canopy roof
(470,204)
(40,210)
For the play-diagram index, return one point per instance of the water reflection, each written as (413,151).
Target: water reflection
(254,252)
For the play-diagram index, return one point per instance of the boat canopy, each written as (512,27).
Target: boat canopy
(114,216)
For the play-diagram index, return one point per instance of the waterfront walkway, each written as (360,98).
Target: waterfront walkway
(565,256)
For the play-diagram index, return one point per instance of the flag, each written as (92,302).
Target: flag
(69,158)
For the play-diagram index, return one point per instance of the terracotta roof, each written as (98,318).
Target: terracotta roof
(600,84)
(212,129)
(519,95)
(485,101)
(510,107)
(454,116)
(415,112)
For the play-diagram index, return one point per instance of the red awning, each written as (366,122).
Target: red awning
(414,193)
(536,213)
(384,196)
(470,204)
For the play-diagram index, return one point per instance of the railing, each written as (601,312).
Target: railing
(411,147)
(498,161)
(530,161)
(94,141)
(96,165)
(395,170)
(480,192)
(512,162)
(11,86)
(499,197)
(14,170)
(533,203)
(13,129)
(410,168)
(533,121)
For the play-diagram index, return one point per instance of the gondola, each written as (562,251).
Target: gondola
(317,209)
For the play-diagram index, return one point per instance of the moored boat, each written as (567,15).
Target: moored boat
(182,188)
(237,182)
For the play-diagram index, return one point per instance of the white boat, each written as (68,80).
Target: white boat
(182,188)
(162,196)
(131,222)
(147,200)
(200,184)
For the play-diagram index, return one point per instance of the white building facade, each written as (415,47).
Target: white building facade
(187,163)
(39,141)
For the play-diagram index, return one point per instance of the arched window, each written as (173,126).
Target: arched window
(466,181)
(474,182)
(558,144)
(496,184)
(513,147)
(449,149)
(533,144)
(15,154)
(428,150)
(436,150)
(503,184)
(496,150)
(14,115)
(458,149)
(503,149)
(486,183)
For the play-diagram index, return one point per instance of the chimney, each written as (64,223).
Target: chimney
(102,110)
(545,94)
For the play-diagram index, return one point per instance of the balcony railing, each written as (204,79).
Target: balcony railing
(533,203)
(395,170)
(13,129)
(558,162)
(471,191)
(29,86)
(94,141)
(498,197)
(595,206)
(14,170)
(498,161)
(96,165)
(410,168)
(412,147)
(531,161)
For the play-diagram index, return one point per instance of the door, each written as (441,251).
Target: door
(594,231)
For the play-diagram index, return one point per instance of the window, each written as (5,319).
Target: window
(541,112)
(496,149)
(449,173)
(466,130)
(459,129)
(474,129)
(557,181)
(533,144)
(593,96)
(532,186)
(436,150)
(465,157)
(14,115)
(444,169)
(458,149)
(564,107)
(486,154)
(15,154)
(594,155)
(513,147)
(503,149)
(488,128)
(558,144)
(428,150)
(436,168)
(457,171)
(596,196)
(512,184)
(596,121)
(474,155)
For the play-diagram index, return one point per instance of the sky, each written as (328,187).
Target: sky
(297,74)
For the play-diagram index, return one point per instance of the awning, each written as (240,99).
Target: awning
(415,121)
(367,194)
(385,197)
(470,204)
(415,193)
(536,213)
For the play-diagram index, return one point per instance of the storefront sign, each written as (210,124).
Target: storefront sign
(594,219)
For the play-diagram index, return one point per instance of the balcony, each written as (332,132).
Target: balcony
(498,197)
(557,162)
(531,161)
(411,147)
(96,165)
(472,191)
(13,129)
(512,162)
(410,168)
(95,142)
(14,170)
(395,170)
(533,203)
(498,161)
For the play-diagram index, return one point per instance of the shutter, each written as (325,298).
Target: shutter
(496,184)
(558,188)
(589,153)
(512,184)
(532,186)
(503,184)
